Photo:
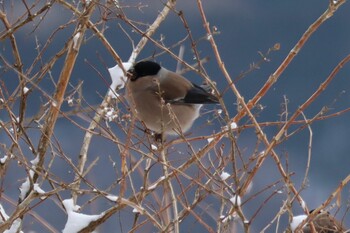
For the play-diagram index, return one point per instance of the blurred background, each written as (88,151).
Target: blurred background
(244,31)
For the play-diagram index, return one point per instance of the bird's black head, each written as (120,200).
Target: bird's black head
(144,68)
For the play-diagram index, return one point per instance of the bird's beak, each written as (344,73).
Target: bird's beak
(131,74)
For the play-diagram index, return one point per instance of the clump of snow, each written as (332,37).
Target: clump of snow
(118,78)
(75,40)
(224,175)
(16,224)
(296,221)
(35,161)
(69,205)
(210,140)
(70,102)
(148,163)
(3,159)
(76,221)
(225,219)
(232,125)
(37,189)
(154,147)
(112,197)
(262,153)
(111,114)
(15,227)
(24,189)
(25,90)
(155,184)
(3,213)
(236,200)
(136,211)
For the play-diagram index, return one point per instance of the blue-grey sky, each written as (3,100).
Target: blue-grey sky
(246,28)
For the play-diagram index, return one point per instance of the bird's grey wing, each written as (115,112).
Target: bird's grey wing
(174,88)
(178,90)
(197,95)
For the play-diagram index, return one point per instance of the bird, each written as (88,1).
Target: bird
(166,102)
(323,222)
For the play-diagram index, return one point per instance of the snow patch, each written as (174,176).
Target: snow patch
(16,225)
(154,147)
(76,221)
(3,159)
(24,189)
(135,211)
(111,114)
(35,161)
(25,90)
(37,189)
(3,213)
(296,221)
(118,78)
(232,125)
(210,140)
(75,40)
(155,184)
(224,175)
(112,198)
(236,200)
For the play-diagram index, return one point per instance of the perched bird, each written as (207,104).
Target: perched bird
(163,100)
(323,222)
